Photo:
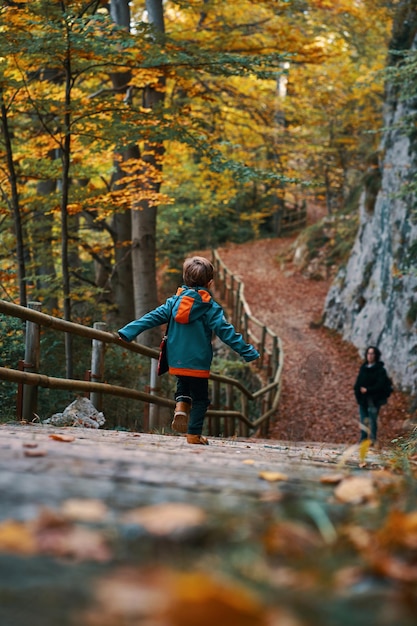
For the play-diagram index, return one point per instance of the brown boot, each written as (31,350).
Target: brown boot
(198,439)
(181,415)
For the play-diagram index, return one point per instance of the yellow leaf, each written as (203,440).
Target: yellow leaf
(273,476)
(15,537)
(364,449)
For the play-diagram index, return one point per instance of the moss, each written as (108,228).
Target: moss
(331,240)
(316,238)
(411,316)
(366,275)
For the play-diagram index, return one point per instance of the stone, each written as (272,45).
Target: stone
(81,412)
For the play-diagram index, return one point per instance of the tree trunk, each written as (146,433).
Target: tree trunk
(144,214)
(66,153)
(45,268)
(121,280)
(20,250)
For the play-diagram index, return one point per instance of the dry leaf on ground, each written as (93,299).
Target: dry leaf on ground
(84,510)
(35,452)
(332,479)
(161,597)
(355,490)
(273,476)
(65,438)
(16,537)
(292,539)
(167,518)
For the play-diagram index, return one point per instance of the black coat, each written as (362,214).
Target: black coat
(374,380)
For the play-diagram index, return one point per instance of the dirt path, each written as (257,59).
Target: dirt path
(317,402)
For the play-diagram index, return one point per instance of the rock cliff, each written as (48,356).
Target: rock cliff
(373,299)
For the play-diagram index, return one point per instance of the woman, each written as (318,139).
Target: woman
(370,392)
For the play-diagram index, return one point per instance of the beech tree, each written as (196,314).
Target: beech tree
(119,117)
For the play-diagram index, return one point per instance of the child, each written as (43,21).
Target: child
(193,317)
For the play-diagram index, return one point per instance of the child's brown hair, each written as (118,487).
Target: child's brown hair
(197,271)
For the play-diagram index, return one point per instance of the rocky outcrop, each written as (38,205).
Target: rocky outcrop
(373,299)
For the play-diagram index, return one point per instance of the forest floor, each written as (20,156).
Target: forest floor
(317,401)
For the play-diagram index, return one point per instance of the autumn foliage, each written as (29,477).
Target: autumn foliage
(214,122)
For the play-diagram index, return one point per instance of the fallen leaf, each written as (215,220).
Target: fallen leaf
(84,510)
(58,537)
(73,542)
(292,539)
(400,529)
(65,438)
(364,449)
(249,462)
(392,567)
(346,577)
(161,597)
(332,479)
(355,490)
(271,496)
(35,453)
(359,537)
(272,476)
(17,538)
(167,518)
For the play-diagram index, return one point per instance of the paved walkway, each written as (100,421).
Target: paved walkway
(135,469)
(114,528)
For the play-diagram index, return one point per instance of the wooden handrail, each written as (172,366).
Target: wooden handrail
(232,291)
(268,344)
(48,321)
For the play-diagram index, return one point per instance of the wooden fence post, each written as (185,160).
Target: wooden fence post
(97,365)
(154,388)
(31,364)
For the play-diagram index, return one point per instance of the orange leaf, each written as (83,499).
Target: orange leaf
(66,438)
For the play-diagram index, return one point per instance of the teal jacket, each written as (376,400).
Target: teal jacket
(193,317)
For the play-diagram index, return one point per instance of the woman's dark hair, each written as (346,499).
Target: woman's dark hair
(377,352)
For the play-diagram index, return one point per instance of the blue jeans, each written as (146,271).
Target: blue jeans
(196,390)
(368,415)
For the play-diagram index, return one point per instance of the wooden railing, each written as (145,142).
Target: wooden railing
(269,345)
(289,219)
(232,403)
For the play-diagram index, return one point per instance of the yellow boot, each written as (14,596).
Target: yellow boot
(181,415)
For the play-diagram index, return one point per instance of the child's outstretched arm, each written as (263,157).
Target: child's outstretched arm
(227,333)
(154,318)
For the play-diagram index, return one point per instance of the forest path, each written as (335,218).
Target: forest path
(317,401)
(104,528)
